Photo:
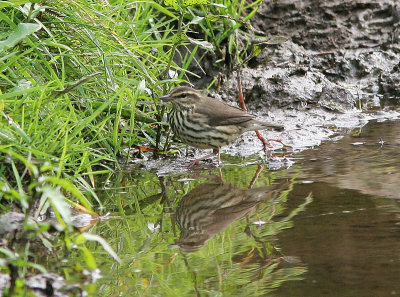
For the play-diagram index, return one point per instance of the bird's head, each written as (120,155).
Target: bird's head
(184,97)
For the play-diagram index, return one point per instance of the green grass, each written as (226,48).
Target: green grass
(79,82)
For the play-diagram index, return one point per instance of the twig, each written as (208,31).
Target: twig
(75,84)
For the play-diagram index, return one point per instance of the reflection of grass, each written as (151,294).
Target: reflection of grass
(243,259)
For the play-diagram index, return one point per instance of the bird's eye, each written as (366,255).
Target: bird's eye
(183,95)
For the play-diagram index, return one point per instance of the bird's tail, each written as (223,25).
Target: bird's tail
(258,125)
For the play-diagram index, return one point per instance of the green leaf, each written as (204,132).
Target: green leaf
(83,124)
(195,2)
(58,201)
(59,45)
(88,257)
(172,3)
(7,136)
(257,50)
(23,30)
(104,243)
(20,92)
(175,5)
(68,186)
(212,18)
(80,239)
(16,127)
(6,4)
(161,8)
(33,168)
(177,38)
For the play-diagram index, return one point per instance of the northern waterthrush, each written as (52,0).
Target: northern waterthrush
(205,123)
(212,207)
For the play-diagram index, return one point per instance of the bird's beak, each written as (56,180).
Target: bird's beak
(165,98)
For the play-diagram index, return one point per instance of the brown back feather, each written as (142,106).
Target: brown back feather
(221,114)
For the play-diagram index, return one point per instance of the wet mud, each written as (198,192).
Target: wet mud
(340,54)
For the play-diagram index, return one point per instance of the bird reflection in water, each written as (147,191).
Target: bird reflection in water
(212,207)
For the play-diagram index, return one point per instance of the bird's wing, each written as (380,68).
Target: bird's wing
(221,114)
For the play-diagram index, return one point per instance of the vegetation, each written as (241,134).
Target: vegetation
(79,83)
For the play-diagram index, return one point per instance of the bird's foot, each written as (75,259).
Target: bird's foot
(197,161)
(191,164)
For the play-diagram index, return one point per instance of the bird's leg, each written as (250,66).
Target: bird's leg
(197,161)
(255,177)
(221,178)
(266,144)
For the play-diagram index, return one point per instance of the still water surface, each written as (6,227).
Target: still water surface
(327,226)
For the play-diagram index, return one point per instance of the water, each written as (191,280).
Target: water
(327,226)
(349,237)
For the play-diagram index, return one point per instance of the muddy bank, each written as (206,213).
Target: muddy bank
(340,54)
(338,69)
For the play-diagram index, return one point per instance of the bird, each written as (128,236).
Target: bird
(211,207)
(207,123)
